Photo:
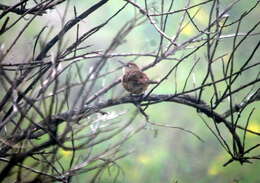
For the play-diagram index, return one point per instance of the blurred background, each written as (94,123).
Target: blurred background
(160,155)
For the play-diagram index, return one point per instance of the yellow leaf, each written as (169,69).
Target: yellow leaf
(253,126)
(144,159)
(202,17)
(65,153)
(188,30)
(213,170)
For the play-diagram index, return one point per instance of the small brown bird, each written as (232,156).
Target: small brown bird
(134,80)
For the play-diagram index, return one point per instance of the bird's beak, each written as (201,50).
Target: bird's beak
(122,63)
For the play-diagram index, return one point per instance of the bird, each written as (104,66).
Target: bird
(134,80)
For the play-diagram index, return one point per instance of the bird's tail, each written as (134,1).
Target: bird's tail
(153,82)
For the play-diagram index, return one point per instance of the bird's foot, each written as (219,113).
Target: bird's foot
(139,96)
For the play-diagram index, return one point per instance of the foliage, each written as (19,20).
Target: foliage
(64,115)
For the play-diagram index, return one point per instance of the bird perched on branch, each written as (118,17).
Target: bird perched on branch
(134,80)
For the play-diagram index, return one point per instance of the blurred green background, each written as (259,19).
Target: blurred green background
(170,155)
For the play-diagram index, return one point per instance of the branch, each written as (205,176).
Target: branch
(39,9)
(151,99)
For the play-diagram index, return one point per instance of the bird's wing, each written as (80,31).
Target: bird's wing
(135,76)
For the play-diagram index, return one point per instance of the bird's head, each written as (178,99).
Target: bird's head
(130,67)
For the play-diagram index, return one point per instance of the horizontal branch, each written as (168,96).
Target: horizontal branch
(146,100)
